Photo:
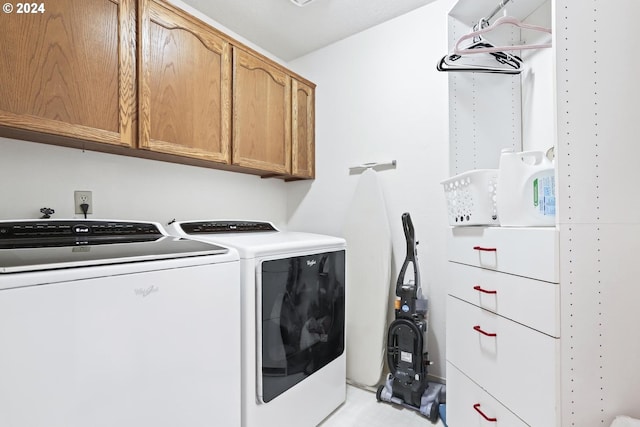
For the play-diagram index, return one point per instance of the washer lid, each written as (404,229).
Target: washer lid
(46,245)
(250,244)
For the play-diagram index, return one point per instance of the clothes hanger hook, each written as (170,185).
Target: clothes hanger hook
(482,23)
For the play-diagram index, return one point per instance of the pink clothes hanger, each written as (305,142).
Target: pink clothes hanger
(501,21)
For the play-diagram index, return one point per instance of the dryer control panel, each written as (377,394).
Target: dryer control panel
(209,227)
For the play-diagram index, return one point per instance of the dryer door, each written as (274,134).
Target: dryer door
(302,304)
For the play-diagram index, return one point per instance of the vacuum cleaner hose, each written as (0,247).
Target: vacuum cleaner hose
(397,338)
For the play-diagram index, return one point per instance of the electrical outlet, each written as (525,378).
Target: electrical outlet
(81,197)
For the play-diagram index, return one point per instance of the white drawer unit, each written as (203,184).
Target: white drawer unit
(531,302)
(474,407)
(512,362)
(503,326)
(529,252)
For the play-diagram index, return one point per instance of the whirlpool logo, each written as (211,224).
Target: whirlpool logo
(311,262)
(145,292)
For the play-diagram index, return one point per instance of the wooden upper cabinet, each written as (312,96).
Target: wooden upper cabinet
(261,114)
(149,77)
(184,85)
(303,130)
(70,70)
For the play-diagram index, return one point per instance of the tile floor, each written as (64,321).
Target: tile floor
(361,409)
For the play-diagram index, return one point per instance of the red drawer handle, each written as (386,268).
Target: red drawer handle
(480,248)
(484,291)
(477,408)
(489,334)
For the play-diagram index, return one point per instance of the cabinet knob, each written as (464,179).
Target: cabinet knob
(477,408)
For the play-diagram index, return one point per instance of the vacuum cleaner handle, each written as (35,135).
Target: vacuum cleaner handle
(410,237)
(409,234)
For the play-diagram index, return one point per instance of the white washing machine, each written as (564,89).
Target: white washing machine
(293,320)
(114,323)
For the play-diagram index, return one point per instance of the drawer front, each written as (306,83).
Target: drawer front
(514,363)
(470,406)
(528,252)
(533,303)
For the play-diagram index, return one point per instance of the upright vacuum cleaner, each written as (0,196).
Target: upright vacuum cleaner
(407,355)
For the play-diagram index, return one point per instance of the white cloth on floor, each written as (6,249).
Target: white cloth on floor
(622,421)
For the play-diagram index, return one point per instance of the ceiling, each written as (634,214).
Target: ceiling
(289,31)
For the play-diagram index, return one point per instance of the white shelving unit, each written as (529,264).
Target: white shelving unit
(597,115)
(581,96)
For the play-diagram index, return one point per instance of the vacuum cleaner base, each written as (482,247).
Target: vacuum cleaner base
(433,396)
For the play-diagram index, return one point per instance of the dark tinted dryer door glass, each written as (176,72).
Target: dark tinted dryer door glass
(303,310)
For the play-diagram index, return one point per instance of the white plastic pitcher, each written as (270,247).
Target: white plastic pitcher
(526,193)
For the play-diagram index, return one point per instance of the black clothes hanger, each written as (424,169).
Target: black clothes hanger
(487,62)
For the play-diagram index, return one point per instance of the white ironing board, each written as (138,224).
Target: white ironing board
(368,279)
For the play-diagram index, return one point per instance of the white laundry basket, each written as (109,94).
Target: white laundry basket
(471,197)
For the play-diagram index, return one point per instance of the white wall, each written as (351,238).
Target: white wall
(379,98)
(38,175)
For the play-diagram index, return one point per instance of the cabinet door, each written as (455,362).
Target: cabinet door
(185,87)
(261,114)
(303,134)
(70,70)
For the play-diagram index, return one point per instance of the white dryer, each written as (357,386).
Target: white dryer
(114,323)
(293,320)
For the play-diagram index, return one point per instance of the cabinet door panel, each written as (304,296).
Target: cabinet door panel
(185,85)
(303,136)
(261,114)
(70,70)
